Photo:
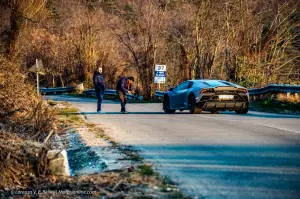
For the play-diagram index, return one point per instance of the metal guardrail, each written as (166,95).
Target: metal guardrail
(112,92)
(109,92)
(106,92)
(278,88)
(57,90)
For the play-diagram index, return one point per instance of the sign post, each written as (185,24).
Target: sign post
(37,77)
(160,74)
(38,69)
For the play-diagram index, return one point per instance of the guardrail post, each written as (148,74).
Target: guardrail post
(273,96)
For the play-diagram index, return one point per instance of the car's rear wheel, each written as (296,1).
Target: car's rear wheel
(166,105)
(242,111)
(193,106)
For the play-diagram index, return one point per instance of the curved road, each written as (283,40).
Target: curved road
(209,155)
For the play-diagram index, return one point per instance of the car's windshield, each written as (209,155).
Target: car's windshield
(215,83)
(182,86)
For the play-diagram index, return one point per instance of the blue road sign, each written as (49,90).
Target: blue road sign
(160,74)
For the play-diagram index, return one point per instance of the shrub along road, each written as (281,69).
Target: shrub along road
(209,155)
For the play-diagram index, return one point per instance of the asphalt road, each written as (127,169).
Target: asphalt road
(209,155)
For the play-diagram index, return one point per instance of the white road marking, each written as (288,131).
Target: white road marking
(269,126)
(234,168)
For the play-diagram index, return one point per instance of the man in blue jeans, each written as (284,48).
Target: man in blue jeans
(98,80)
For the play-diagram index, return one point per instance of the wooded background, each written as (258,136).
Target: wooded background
(249,42)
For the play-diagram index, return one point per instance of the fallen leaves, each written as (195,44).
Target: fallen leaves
(21,162)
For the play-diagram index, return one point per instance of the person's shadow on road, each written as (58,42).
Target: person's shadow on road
(258,115)
(130,113)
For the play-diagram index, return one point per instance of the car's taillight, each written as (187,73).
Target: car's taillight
(206,91)
(243,90)
(203,91)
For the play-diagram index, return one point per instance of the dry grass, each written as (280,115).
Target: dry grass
(21,111)
(66,111)
(289,98)
(68,116)
(276,106)
(25,121)
(122,184)
(22,162)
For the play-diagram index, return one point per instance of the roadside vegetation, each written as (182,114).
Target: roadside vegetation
(285,104)
(289,98)
(25,123)
(69,117)
(252,43)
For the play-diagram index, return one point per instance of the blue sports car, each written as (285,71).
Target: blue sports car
(206,95)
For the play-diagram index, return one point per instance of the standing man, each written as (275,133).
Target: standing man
(98,80)
(123,87)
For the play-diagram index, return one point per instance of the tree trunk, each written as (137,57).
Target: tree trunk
(61,80)
(53,80)
(227,65)
(15,21)
(146,82)
(184,64)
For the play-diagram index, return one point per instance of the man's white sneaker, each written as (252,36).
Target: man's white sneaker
(100,112)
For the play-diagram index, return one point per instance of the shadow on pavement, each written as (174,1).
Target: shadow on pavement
(129,113)
(94,101)
(263,115)
(259,115)
(77,99)
(213,171)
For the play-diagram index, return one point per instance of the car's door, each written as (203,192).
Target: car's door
(172,97)
(177,98)
(186,94)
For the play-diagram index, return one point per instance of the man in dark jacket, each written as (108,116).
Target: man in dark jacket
(98,80)
(123,87)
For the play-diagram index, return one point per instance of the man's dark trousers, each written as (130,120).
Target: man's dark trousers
(123,99)
(100,95)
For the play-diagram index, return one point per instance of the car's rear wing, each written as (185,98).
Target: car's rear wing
(223,88)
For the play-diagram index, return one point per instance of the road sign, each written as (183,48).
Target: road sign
(160,67)
(160,74)
(160,80)
(38,68)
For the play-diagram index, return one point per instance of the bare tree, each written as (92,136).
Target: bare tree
(139,30)
(21,13)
